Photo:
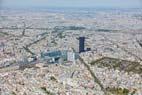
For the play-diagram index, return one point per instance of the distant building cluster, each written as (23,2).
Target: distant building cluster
(59,56)
(64,55)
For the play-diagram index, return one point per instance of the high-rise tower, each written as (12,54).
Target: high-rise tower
(81,44)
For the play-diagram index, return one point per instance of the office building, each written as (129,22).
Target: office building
(81,44)
(71,57)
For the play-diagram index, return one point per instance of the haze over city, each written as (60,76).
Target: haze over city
(70,47)
(73,3)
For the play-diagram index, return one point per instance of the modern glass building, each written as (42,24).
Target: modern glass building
(81,44)
(56,56)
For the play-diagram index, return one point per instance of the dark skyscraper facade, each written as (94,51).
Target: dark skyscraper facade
(81,44)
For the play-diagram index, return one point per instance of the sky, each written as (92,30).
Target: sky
(72,3)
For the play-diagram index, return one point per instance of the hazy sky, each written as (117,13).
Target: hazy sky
(72,3)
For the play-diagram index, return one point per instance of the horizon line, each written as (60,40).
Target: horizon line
(67,7)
